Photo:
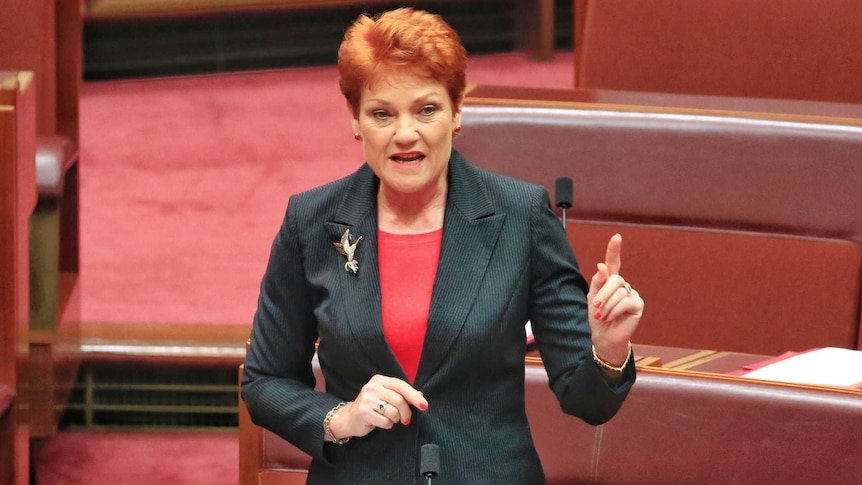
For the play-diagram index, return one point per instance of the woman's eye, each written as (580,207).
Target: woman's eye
(380,114)
(428,110)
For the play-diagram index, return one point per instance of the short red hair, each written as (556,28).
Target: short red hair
(401,39)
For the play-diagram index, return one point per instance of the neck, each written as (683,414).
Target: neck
(400,213)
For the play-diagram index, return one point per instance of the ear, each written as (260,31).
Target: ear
(457,118)
(353,121)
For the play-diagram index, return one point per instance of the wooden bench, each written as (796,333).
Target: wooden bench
(17,201)
(789,49)
(677,426)
(535,18)
(733,214)
(47,39)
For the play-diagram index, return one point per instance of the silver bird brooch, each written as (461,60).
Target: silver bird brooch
(348,250)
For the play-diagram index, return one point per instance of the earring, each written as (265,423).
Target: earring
(356,137)
(457,130)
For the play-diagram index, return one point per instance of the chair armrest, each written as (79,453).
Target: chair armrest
(54,155)
(7,395)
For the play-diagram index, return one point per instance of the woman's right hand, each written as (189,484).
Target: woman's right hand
(381,403)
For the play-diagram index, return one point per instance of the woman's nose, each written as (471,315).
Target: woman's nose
(406,130)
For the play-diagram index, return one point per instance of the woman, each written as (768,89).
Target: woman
(416,274)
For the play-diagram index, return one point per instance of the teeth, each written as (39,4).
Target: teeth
(408,159)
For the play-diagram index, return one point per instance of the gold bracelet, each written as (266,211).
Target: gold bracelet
(327,433)
(605,365)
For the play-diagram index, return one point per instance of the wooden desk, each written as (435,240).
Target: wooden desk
(792,110)
(678,358)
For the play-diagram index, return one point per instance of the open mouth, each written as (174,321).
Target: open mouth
(413,158)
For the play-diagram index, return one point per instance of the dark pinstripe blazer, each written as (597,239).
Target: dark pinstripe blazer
(504,259)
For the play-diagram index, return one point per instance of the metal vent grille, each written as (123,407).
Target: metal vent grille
(152,395)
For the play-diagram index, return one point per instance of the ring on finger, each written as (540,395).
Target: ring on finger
(627,287)
(381,407)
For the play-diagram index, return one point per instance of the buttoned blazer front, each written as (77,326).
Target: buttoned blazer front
(504,260)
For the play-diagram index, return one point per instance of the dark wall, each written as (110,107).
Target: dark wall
(225,42)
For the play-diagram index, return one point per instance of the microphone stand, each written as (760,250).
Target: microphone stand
(564,207)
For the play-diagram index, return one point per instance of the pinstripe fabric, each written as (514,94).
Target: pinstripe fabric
(504,259)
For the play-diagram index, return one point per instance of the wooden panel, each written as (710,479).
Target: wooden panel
(47,39)
(40,391)
(69,67)
(8,296)
(17,200)
(29,26)
(249,443)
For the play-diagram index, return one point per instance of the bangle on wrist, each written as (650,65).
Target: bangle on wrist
(327,433)
(605,365)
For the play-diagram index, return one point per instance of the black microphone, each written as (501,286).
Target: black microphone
(429,462)
(563,194)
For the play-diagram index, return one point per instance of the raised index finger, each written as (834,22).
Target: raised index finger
(612,255)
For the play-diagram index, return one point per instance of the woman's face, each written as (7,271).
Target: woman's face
(406,123)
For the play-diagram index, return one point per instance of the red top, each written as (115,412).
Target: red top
(408,266)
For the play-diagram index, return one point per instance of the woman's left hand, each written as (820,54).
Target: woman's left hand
(615,308)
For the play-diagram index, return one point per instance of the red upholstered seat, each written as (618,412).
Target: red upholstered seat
(731,220)
(793,49)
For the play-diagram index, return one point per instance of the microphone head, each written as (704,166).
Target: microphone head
(563,192)
(429,461)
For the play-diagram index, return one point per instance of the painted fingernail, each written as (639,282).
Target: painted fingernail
(605,319)
(598,315)
(407,423)
(423,406)
(597,304)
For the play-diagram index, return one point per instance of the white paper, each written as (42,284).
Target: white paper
(830,366)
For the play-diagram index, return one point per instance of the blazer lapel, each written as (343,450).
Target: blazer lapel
(361,291)
(470,232)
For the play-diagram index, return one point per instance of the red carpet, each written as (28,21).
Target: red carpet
(185,181)
(103,458)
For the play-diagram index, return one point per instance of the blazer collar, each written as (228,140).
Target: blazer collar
(470,232)
(471,229)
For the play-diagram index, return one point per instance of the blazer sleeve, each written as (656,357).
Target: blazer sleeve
(278,382)
(558,314)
